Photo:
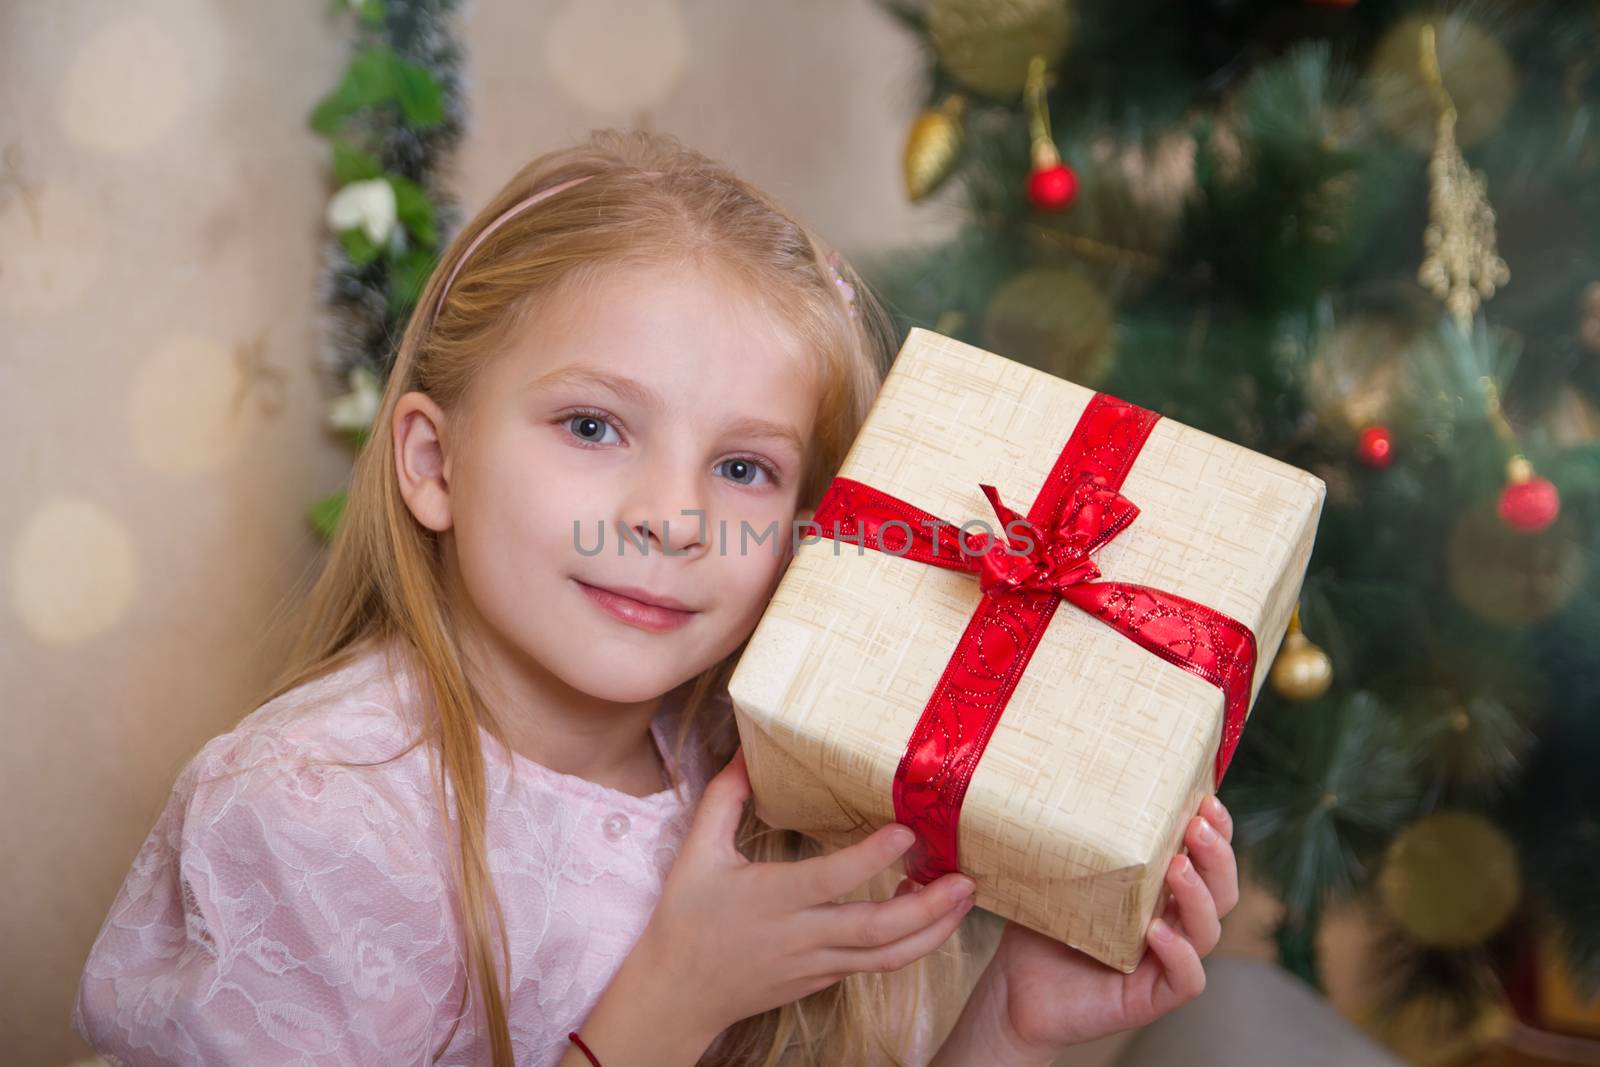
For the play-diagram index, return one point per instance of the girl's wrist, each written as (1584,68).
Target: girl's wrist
(983,1034)
(644,1016)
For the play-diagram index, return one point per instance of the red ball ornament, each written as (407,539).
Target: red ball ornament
(1375,447)
(1052,188)
(1528,503)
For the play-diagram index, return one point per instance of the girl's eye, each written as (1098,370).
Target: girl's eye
(745,471)
(589,428)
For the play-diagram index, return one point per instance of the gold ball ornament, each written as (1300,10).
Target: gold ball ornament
(1477,73)
(986,44)
(1362,369)
(932,147)
(1511,578)
(1054,319)
(1450,880)
(1301,670)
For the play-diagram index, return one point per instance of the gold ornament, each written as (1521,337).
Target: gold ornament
(1511,578)
(932,147)
(1477,71)
(986,44)
(1451,879)
(1461,267)
(1301,670)
(1055,319)
(1361,370)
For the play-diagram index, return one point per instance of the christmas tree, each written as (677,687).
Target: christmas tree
(1360,237)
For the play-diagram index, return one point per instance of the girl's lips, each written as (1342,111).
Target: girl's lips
(635,612)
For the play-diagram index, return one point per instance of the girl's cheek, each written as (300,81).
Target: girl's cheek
(551,484)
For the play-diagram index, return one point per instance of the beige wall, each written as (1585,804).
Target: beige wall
(160,207)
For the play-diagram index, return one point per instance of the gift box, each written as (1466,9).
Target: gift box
(1027,619)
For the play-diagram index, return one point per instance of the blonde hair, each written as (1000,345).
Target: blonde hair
(649,200)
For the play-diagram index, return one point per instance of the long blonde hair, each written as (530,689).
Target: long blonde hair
(650,200)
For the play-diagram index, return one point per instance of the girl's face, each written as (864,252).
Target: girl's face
(662,403)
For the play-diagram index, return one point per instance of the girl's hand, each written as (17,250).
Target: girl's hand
(731,938)
(1045,996)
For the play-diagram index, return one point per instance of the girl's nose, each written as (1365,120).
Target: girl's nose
(666,514)
(678,535)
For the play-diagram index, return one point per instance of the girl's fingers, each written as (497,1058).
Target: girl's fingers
(717,816)
(1214,811)
(896,954)
(821,879)
(1182,976)
(1214,858)
(872,924)
(1197,912)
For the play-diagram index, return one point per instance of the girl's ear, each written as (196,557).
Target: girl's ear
(419,459)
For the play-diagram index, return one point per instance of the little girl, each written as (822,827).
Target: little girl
(494,808)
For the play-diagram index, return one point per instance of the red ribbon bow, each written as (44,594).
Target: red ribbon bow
(1040,561)
(1059,558)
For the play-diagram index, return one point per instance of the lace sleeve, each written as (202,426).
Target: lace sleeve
(290,913)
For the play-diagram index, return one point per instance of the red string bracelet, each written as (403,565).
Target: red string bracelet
(575,1039)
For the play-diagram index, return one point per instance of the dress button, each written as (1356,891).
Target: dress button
(616,826)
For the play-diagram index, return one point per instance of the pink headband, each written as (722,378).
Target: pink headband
(845,288)
(500,220)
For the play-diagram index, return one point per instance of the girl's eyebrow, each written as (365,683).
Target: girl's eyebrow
(637,392)
(750,426)
(627,388)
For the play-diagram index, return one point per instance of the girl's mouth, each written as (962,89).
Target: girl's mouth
(635,612)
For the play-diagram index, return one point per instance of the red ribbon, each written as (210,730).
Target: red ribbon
(1078,510)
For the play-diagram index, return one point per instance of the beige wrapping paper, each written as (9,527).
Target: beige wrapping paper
(1105,750)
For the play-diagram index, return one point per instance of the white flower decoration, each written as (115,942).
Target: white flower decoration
(356,409)
(367,204)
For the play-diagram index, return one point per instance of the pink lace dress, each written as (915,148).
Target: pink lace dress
(302,914)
